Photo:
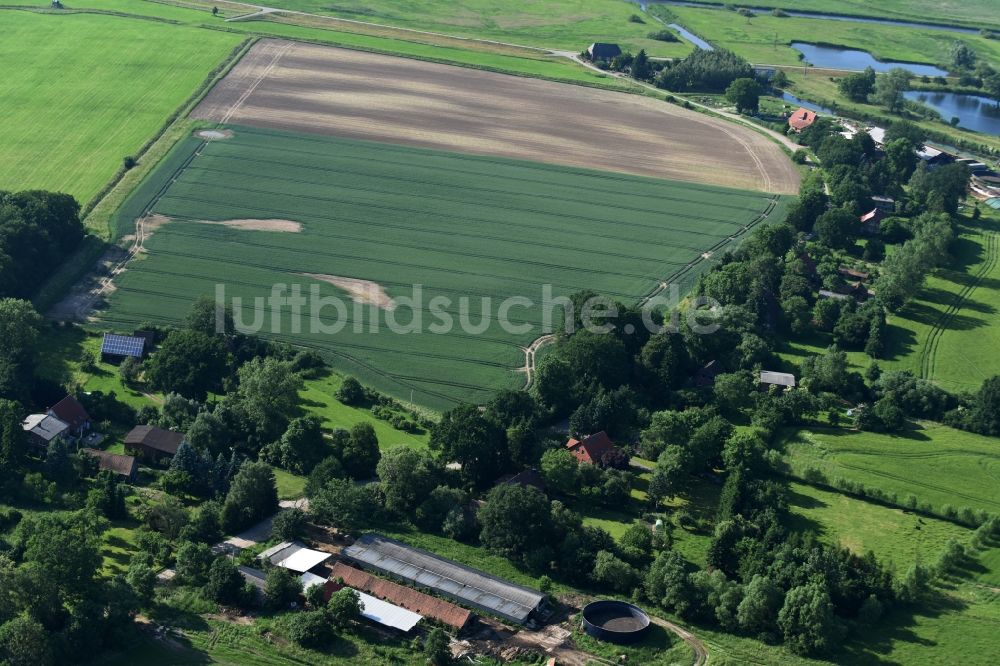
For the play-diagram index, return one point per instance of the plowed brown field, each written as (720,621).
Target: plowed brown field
(288,85)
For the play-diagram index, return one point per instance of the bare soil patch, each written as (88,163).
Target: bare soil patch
(327,90)
(214,135)
(280,226)
(361,291)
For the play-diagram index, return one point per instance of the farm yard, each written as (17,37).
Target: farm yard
(395,216)
(286,85)
(91,90)
(966,466)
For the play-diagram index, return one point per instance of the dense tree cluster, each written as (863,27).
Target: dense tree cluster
(705,71)
(38,230)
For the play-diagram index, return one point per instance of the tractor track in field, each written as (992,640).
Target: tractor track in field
(928,353)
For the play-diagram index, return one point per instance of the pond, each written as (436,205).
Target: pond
(975,112)
(805,104)
(828,17)
(836,57)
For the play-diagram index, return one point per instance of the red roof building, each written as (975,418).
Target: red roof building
(443,611)
(591,449)
(801,119)
(71,412)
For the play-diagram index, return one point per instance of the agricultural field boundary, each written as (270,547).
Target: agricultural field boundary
(928,351)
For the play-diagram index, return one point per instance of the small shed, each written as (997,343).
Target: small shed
(801,119)
(603,51)
(256,578)
(118,347)
(294,556)
(152,443)
(782,380)
(526,478)
(884,203)
(126,467)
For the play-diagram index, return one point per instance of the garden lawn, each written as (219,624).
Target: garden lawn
(82,91)
(937,464)
(290,486)
(318,399)
(897,538)
(457,226)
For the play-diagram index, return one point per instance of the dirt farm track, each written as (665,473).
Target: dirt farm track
(287,85)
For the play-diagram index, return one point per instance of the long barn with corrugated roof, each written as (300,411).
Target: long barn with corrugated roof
(466,585)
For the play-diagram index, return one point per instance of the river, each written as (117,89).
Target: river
(836,57)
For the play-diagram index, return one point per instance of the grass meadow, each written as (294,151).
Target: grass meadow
(937,464)
(459,226)
(90,90)
(898,538)
(765,39)
(950,332)
(975,13)
(571,25)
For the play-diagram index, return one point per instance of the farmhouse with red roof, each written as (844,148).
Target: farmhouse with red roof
(591,449)
(801,119)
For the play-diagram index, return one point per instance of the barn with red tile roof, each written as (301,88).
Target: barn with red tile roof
(436,609)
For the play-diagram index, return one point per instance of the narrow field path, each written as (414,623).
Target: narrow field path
(700,650)
(928,353)
(529,358)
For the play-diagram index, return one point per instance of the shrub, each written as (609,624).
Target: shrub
(663,36)
(310,629)
(351,392)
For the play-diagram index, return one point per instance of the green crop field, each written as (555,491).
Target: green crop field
(765,38)
(937,464)
(90,90)
(459,226)
(976,13)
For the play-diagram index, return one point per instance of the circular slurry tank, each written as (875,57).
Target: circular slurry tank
(615,621)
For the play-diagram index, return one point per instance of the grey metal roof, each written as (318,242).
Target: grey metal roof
(779,378)
(470,586)
(44,426)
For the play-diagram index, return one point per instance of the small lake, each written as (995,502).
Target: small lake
(975,112)
(827,17)
(835,57)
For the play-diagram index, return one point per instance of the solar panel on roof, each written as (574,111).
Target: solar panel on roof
(122,345)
